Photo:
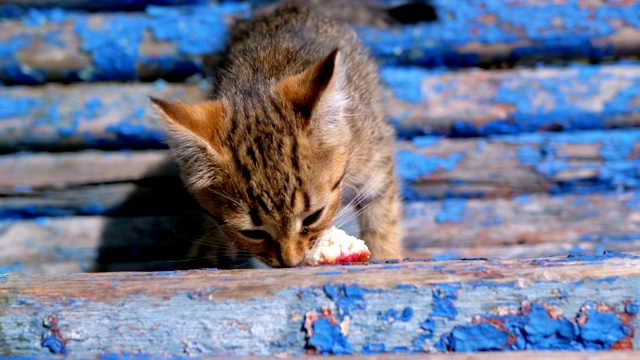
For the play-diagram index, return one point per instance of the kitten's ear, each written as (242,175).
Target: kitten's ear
(202,120)
(318,90)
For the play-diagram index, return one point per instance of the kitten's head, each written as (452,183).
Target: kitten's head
(267,161)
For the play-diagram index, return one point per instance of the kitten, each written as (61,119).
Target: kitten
(295,128)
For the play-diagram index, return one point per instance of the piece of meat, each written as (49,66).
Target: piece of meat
(336,247)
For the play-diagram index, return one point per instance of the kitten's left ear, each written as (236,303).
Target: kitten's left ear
(200,121)
(318,90)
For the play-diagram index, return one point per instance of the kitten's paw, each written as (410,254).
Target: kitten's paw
(337,247)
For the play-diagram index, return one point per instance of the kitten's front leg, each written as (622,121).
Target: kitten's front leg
(379,221)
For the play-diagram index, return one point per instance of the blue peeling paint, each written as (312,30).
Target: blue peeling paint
(54,344)
(13,107)
(529,155)
(328,339)
(452,211)
(191,28)
(449,255)
(373,348)
(392,315)
(548,334)
(16,266)
(602,330)
(536,330)
(443,297)
(195,30)
(632,307)
(346,297)
(617,166)
(428,325)
(442,42)
(425,141)
(39,17)
(113,48)
(477,337)
(114,41)
(412,166)
(406,82)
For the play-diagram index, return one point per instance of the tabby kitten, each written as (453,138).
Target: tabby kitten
(295,127)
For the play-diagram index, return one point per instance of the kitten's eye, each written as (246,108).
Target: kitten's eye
(309,220)
(256,234)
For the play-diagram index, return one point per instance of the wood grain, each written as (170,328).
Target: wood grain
(524,227)
(470,102)
(260,312)
(70,46)
(96,182)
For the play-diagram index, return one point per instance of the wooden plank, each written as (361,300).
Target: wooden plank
(53,45)
(21,7)
(491,355)
(59,45)
(477,102)
(579,303)
(55,117)
(168,197)
(59,117)
(95,243)
(95,182)
(26,172)
(525,227)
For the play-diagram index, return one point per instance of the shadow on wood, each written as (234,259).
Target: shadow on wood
(149,244)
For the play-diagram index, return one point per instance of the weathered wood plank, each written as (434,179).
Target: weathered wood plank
(577,303)
(492,355)
(478,102)
(167,197)
(95,182)
(93,243)
(525,227)
(21,7)
(26,172)
(522,227)
(471,33)
(581,161)
(54,45)
(49,45)
(57,117)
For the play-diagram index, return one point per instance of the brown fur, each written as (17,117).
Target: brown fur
(295,125)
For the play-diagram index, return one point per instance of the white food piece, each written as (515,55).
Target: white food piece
(338,245)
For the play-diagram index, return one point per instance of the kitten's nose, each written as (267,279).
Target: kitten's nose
(291,255)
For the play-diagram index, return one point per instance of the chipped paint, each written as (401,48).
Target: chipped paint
(349,317)
(540,326)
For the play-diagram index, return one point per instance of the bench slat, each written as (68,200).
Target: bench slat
(409,306)
(108,116)
(58,45)
(524,227)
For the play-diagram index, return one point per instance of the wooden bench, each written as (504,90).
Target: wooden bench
(518,139)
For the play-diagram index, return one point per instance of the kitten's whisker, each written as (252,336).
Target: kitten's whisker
(360,196)
(345,208)
(232,200)
(364,208)
(360,193)
(356,149)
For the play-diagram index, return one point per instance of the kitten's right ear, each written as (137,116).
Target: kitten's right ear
(201,121)
(318,90)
